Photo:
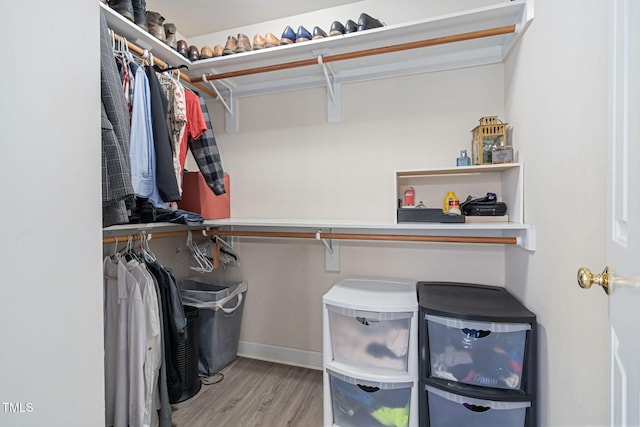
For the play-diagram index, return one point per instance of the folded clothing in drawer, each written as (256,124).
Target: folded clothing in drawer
(357,402)
(479,353)
(449,409)
(377,340)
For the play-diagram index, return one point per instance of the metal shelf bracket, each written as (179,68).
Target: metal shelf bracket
(334,92)
(231,118)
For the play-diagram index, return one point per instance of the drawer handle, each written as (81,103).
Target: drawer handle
(472,335)
(476,408)
(365,321)
(368,388)
(475,333)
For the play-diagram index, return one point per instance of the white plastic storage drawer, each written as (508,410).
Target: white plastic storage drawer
(479,353)
(357,403)
(366,339)
(448,409)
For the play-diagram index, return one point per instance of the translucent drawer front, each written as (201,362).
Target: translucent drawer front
(370,340)
(479,353)
(358,403)
(449,409)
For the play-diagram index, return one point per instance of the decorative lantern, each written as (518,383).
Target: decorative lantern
(491,134)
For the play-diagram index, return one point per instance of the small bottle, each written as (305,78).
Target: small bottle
(451,204)
(463,160)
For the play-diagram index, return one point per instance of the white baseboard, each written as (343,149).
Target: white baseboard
(284,355)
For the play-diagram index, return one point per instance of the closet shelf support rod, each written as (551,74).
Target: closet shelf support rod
(366,236)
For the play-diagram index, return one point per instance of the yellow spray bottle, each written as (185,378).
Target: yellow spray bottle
(451,204)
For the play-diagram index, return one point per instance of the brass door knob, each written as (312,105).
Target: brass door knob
(586,278)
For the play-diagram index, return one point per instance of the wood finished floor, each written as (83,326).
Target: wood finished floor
(256,393)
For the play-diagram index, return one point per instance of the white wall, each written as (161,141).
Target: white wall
(287,162)
(51,356)
(557,103)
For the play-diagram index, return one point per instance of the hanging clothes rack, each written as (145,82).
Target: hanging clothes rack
(366,236)
(340,236)
(362,53)
(143,53)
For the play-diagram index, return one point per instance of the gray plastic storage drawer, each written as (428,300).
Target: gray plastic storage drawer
(448,409)
(479,353)
(370,340)
(358,403)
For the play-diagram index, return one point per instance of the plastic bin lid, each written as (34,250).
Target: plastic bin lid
(374,294)
(473,302)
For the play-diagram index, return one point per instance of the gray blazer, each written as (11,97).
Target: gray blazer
(116,171)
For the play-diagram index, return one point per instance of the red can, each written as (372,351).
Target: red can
(409,197)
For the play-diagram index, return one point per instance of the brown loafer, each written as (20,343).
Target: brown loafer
(217,50)
(270,40)
(258,42)
(194,55)
(206,52)
(244,45)
(231,46)
(182,48)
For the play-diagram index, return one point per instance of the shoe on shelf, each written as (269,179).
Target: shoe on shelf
(170,35)
(365,22)
(155,21)
(350,27)
(318,33)
(288,36)
(231,46)
(182,48)
(194,54)
(206,52)
(303,35)
(123,7)
(270,40)
(336,29)
(244,45)
(217,50)
(140,14)
(258,42)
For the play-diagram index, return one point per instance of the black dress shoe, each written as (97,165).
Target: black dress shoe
(365,22)
(318,33)
(336,28)
(350,27)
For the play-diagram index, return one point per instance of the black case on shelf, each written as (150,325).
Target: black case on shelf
(468,302)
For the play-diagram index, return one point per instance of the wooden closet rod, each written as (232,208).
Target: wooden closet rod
(341,236)
(365,236)
(141,52)
(362,53)
(137,236)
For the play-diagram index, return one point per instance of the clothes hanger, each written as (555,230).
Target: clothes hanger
(204,264)
(115,247)
(162,70)
(144,245)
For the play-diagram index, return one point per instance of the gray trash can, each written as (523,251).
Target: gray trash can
(220,305)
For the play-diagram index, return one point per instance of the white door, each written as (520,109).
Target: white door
(623,220)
